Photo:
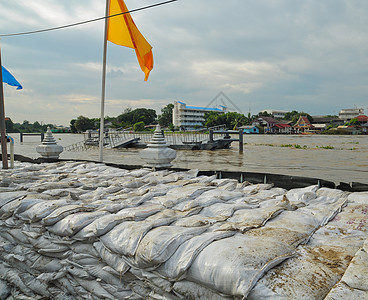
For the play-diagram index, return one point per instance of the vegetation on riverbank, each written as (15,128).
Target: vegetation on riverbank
(143,119)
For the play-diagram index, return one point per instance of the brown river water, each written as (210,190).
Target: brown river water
(333,158)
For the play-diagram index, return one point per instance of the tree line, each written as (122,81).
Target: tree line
(138,120)
(26,127)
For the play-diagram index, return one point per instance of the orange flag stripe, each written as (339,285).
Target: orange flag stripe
(123,31)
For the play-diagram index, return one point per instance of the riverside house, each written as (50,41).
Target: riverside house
(303,125)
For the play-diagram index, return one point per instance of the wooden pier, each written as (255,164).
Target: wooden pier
(214,138)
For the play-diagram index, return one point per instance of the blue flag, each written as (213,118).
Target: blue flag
(9,79)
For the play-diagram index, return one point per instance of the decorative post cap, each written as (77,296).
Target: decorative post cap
(158,154)
(49,148)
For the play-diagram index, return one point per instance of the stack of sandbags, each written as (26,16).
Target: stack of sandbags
(88,231)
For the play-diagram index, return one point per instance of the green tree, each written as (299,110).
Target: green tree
(9,125)
(139,126)
(73,129)
(264,114)
(129,118)
(353,122)
(165,119)
(232,120)
(235,120)
(83,123)
(296,117)
(172,127)
(290,115)
(37,127)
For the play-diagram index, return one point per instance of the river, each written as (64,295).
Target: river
(333,158)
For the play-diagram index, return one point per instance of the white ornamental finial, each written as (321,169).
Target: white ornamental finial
(49,148)
(158,154)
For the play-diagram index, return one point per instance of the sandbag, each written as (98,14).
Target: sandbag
(234,264)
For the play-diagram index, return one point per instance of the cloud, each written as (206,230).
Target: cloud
(280,54)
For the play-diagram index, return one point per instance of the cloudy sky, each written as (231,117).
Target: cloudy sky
(307,55)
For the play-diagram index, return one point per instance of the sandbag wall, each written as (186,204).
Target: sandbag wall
(87,231)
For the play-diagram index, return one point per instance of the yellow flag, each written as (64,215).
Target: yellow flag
(123,31)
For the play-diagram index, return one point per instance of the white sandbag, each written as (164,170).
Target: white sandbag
(222,209)
(271,193)
(37,286)
(309,275)
(116,291)
(53,276)
(208,198)
(94,288)
(99,227)
(140,172)
(175,267)
(356,275)
(342,291)
(230,186)
(4,290)
(124,238)
(198,221)
(199,202)
(7,237)
(46,264)
(113,260)
(78,272)
(97,271)
(40,210)
(154,280)
(84,259)
(330,193)
(11,275)
(325,258)
(245,219)
(18,236)
(255,188)
(302,195)
(325,209)
(359,197)
(71,224)
(27,203)
(299,221)
(8,209)
(58,193)
(83,248)
(234,264)
(160,243)
(6,197)
(178,194)
(44,186)
(62,212)
(191,290)
(140,212)
(223,182)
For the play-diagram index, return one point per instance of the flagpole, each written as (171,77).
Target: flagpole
(102,117)
(4,146)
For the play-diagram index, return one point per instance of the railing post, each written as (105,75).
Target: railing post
(211,135)
(21,137)
(241,144)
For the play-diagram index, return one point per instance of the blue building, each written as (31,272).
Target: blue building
(189,117)
(250,129)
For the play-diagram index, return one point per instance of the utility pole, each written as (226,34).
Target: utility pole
(4,152)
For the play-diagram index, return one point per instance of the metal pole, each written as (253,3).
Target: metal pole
(11,152)
(240,141)
(4,146)
(211,135)
(102,117)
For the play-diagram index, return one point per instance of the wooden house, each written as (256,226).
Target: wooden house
(303,125)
